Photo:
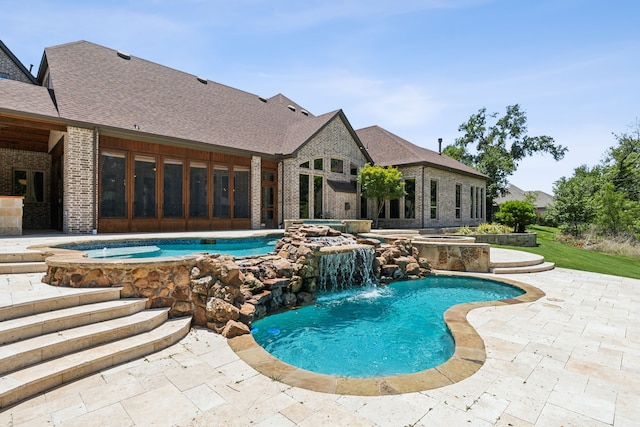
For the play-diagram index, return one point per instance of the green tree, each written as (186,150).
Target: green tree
(616,214)
(499,147)
(517,214)
(623,163)
(381,184)
(574,208)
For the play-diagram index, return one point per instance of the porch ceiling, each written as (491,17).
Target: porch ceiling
(22,134)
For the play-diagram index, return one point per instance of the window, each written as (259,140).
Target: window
(458,201)
(113,199)
(481,203)
(241,193)
(304,165)
(477,202)
(303,197)
(410,198)
(337,166)
(434,200)
(198,189)
(317,196)
(144,187)
(394,208)
(221,192)
(354,169)
(4,75)
(268,176)
(472,202)
(318,164)
(172,189)
(29,184)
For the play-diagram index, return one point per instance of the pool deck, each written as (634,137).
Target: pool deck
(571,358)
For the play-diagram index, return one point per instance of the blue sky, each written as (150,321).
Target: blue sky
(417,68)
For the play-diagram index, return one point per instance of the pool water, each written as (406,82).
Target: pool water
(375,331)
(178,247)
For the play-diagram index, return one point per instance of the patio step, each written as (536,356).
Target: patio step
(47,342)
(38,378)
(509,261)
(22,262)
(43,323)
(537,268)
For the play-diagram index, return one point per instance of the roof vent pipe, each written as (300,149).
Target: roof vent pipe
(439,145)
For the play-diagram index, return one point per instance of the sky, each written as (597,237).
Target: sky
(418,68)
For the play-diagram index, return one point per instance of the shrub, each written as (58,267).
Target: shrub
(517,214)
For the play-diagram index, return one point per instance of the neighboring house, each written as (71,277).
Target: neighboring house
(542,201)
(106,141)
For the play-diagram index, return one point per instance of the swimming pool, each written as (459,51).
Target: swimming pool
(153,248)
(376,331)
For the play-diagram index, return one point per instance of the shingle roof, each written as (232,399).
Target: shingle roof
(97,86)
(18,97)
(388,149)
(516,193)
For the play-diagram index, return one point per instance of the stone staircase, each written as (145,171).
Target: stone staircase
(506,261)
(51,341)
(22,262)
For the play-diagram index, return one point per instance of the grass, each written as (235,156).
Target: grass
(565,256)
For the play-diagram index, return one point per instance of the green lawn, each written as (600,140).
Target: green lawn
(579,259)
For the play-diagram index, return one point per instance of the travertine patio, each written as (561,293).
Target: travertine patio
(571,358)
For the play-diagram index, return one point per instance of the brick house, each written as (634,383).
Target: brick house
(102,140)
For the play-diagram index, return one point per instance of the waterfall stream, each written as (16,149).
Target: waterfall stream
(342,270)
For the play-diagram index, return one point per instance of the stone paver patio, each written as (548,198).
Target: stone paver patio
(571,358)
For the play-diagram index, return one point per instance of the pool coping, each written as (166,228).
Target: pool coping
(468,358)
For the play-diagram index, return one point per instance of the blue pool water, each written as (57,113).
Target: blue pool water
(177,247)
(375,331)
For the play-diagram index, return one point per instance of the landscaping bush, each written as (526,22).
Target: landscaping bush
(517,214)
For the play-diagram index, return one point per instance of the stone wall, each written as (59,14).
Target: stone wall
(508,239)
(227,294)
(10,215)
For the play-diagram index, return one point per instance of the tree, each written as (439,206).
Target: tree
(499,147)
(616,214)
(574,208)
(381,184)
(623,163)
(517,214)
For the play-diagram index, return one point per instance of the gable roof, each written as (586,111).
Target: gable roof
(388,149)
(98,86)
(18,63)
(516,193)
(26,99)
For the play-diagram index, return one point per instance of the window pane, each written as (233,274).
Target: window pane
(198,190)
(410,198)
(20,183)
(304,165)
(458,201)
(38,186)
(317,196)
(172,189)
(221,192)
(113,201)
(241,194)
(354,169)
(434,200)
(337,166)
(144,190)
(318,164)
(268,176)
(394,208)
(303,198)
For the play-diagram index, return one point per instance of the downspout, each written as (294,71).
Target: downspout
(95,180)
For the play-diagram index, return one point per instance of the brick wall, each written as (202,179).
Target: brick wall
(333,141)
(79,196)
(8,67)
(35,215)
